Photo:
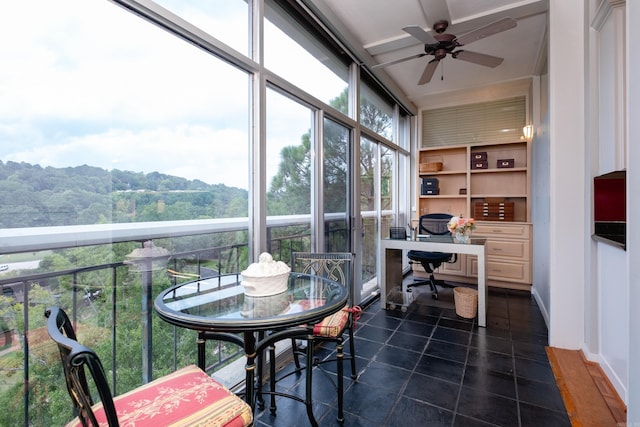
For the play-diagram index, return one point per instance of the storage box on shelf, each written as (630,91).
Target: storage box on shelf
(452,177)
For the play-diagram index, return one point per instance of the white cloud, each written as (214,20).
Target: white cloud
(192,152)
(85,82)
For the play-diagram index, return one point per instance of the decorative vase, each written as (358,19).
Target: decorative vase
(462,236)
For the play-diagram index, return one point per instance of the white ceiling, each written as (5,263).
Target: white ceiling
(375,26)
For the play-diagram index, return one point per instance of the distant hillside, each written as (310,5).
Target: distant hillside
(33,196)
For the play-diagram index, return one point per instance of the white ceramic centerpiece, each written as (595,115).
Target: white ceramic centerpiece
(265,277)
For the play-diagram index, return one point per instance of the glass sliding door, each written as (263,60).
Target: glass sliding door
(379,205)
(368,210)
(387,190)
(336,187)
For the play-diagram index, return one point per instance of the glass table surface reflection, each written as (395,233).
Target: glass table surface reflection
(220,304)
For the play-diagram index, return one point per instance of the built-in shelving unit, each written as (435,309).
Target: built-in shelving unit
(464,189)
(461,186)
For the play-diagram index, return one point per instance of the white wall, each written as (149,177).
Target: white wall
(540,190)
(613,286)
(607,319)
(569,231)
(633,204)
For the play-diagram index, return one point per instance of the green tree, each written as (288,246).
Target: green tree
(290,187)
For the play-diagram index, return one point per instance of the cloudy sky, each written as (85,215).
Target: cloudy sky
(85,82)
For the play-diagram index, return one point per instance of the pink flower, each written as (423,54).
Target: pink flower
(458,223)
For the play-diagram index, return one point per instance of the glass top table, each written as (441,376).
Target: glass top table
(219,309)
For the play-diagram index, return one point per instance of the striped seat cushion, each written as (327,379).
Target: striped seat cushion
(187,397)
(331,326)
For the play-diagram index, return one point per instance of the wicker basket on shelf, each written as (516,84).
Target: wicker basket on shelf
(466,301)
(430,167)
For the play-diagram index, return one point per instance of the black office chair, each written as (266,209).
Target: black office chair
(435,225)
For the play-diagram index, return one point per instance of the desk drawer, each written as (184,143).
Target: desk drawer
(502,270)
(516,249)
(512,231)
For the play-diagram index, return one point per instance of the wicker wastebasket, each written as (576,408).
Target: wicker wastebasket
(466,301)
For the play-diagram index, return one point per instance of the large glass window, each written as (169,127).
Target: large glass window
(108,118)
(376,113)
(293,53)
(289,171)
(226,20)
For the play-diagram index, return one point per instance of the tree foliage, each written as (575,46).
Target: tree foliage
(290,189)
(33,196)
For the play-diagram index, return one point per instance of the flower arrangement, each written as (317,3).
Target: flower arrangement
(460,225)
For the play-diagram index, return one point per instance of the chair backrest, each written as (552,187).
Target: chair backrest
(435,223)
(337,266)
(80,362)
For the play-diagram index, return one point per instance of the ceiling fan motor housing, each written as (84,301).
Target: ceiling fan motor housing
(446,44)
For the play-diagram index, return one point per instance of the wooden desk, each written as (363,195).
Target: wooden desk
(391,256)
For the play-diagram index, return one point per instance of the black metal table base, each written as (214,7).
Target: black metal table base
(254,352)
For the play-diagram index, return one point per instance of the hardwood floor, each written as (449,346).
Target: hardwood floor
(589,397)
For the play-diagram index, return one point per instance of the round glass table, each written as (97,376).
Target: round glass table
(219,309)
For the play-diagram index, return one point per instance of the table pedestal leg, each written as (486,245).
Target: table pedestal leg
(250,367)
(200,342)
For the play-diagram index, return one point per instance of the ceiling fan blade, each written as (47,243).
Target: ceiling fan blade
(428,71)
(496,27)
(478,58)
(397,61)
(420,34)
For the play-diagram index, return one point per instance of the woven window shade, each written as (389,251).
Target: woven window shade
(495,121)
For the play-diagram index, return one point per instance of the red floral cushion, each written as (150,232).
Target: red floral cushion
(187,397)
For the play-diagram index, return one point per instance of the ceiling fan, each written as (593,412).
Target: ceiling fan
(440,44)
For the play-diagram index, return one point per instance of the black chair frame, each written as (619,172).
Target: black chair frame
(76,358)
(337,266)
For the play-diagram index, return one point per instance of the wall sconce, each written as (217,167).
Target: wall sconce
(527,131)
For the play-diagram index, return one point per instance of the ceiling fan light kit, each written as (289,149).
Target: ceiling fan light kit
(440,44)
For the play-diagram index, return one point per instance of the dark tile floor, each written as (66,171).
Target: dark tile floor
(429,367)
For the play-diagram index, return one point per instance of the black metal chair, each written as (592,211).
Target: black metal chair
(434,224)
(192,396)
(337,266)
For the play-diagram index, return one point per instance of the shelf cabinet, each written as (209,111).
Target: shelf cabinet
(461,186)
(473,177)
(508,252)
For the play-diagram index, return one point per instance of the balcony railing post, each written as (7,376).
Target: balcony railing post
(147,333)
